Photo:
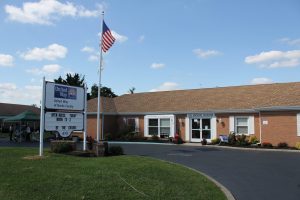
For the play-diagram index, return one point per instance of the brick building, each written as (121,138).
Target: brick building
(271,112)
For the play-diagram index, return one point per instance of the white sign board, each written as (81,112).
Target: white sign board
(64,123)
(64,97)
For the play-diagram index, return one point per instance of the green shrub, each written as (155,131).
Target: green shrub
(62,146)
(267,145)
(241,140)
(297,146)
(215,141)
(115,150)
(231,138)
(283,145)
(253,140)
(154,138)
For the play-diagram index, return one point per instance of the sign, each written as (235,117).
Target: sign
(201,115)
(64,97)
(64,123)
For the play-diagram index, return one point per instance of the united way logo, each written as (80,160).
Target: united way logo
(64,92)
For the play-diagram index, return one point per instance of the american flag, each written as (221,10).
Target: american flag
(107,38)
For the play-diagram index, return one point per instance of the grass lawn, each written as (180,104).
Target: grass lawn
(121,177)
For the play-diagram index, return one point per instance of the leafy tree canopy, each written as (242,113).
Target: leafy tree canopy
(74,80)
(105,92)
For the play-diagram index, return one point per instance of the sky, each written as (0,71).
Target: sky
(160,45)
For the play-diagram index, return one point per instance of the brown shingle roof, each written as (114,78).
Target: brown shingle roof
(210,99)
(7,109)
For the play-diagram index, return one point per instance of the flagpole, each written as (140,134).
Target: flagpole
(99,85)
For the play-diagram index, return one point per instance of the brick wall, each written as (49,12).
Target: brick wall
(281,127)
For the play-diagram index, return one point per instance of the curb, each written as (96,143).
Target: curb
(155,143)
(226,192)
(243,149)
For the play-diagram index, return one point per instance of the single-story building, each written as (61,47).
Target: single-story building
(271,112)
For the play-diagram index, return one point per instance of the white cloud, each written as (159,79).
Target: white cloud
(45,12)
(166,86)
(119,38)
(261,80)
(88,49)
(288,41)
(29,94)
(200,53)
(157,65)
(7,86)
(141,38)
(45,70)
(6,60)
(93,57)
(52,52)
(275,59)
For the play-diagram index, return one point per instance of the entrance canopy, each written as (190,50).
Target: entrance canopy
(24,116)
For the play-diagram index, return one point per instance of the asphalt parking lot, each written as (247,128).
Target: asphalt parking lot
(247,174)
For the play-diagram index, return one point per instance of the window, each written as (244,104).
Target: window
(132,124)
(241,125)
(153,126)
(165,127)
(160,125)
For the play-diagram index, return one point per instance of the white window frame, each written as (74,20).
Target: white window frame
(236,125)
(158,117)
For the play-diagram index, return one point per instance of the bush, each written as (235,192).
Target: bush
(90,141)
(62,146)
(231,138)
(177,139)
(297,146)
(283,145)
(215,141)
(154,138)
(204,142)
(267,145)
(241,140)
(253,140)
(115,150)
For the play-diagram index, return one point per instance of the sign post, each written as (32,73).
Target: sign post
(63,110)
(42,120)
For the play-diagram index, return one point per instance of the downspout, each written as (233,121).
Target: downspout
(260,132)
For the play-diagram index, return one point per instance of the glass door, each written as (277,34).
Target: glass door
(196,130)
(201,129)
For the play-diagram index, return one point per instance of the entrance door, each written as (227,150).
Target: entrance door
(201,129)
(196,130)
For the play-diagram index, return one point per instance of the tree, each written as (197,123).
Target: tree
(74,80)
(131,90)
(105,92)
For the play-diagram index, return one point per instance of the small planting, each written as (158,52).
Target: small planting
(177,139)
(62,146)
(241,140)
(215,141)
(282,145)
(297,146)
(115,151)
(253,140)
(267,145)
(231,138)
(204,142)
(154,138)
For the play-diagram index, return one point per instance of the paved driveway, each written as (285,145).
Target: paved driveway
(249,175)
